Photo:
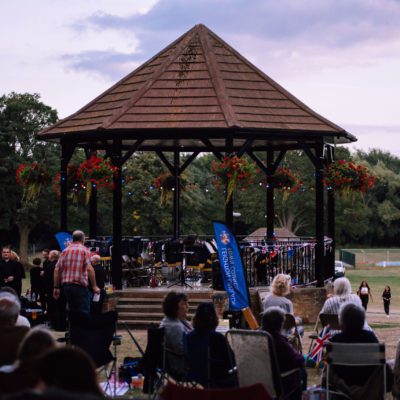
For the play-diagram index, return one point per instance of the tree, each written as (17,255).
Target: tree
(21,117)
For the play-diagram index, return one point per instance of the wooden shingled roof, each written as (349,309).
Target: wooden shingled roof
(197,83)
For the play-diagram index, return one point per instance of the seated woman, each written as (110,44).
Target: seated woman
(351,379)
(341,294)
(69,369)
(23,374)
(175,307)
(209,355)
(280,288)
(288,358)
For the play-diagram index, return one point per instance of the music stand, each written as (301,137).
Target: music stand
(181,281)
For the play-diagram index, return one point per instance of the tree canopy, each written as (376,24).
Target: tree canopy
(369,219)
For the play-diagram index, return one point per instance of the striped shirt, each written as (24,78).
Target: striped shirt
(72,264)
(333,304)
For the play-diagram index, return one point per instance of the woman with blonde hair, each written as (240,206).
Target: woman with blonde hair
(280,288)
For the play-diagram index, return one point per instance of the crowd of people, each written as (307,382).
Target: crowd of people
(31,359)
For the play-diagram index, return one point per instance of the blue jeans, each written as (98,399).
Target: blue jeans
(78,298)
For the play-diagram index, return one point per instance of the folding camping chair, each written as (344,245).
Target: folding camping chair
(253,392)
(95,334)
(256,361)
(357,355)
(210,361)
(290,325)
(157,368)
(328,321)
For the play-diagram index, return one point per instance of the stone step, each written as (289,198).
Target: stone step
(141,316)
(144,308)
(136,324)
(155,302)
(160,294)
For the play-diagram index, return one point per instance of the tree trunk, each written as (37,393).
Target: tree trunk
(24,231)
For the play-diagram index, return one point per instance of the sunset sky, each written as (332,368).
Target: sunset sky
(340,57)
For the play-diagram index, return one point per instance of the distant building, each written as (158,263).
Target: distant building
(280,234)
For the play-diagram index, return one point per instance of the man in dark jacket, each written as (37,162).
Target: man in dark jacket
(10,271)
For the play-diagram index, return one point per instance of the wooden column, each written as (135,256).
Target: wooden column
(176,196)
(93,213)
(116,265)
(270,195)
(330,265)
(66,153)
(319,214)
(229,205)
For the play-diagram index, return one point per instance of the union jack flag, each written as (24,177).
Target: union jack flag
(317,352)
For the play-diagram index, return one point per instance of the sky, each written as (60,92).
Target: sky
(340,57)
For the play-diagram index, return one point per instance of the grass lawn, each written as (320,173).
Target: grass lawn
(377,279)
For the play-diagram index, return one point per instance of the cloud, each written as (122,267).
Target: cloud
(110,64)
(383,137)
(288,35)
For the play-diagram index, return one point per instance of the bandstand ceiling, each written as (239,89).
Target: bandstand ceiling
(194,94)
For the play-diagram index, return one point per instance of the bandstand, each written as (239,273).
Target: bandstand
(200,95)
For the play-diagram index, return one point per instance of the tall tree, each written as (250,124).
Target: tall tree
(21,117)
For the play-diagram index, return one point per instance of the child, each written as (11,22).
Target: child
(36,280)
(386,296)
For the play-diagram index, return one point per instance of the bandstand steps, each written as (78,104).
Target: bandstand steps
(138,309)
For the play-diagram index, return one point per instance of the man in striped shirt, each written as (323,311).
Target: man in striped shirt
(73,270)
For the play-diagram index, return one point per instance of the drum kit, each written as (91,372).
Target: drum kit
(172,270)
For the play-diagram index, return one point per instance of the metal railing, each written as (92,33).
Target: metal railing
(262,260)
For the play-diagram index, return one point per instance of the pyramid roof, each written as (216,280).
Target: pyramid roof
(197,83)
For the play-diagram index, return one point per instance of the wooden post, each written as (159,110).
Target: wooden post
(270,196)
(116,264)
(176,196)
(67,150)
(319,214)
(330,266)
(93,213)
(229,205)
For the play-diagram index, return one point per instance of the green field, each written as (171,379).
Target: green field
(377,279)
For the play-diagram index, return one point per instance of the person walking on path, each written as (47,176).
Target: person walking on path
(386,296)
(364,292)
(73,271)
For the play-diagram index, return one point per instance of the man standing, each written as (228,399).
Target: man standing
(9,270)
(73,270)
(100,275)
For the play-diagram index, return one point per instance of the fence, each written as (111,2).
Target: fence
(262,261)
(374,257)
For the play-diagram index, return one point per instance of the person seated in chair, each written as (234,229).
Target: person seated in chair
(288,358)
(341,294)
(175,307)
(23,373)
(10,334)
(210,358)
(280,288)
(352,319)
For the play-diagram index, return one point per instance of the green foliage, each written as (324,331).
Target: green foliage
(21,117)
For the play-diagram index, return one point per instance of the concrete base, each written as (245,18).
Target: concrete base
(307,302)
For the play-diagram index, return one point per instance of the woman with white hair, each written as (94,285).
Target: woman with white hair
(341,294)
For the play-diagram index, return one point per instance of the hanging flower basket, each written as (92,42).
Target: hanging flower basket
(286,180)
(234,173)
(97,172)
(32,177)
(75,186)
(344,177)
(165,183)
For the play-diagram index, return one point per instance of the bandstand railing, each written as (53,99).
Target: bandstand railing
(262,259)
